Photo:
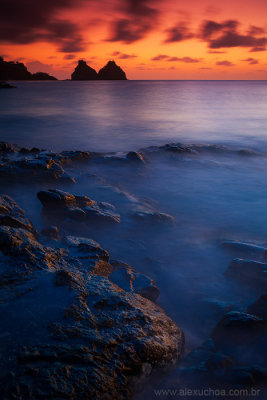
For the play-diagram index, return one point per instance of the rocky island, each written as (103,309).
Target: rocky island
(75,323)
(111,71)
(17,71)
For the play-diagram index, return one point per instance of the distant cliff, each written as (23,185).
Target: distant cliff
(111,71)
(15,71)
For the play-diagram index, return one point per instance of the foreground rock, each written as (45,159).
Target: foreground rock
(234,355)
(79,208)
(67,331)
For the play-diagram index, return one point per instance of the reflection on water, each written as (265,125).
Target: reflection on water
(128,115)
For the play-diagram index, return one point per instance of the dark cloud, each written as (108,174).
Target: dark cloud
(69,57)
(139,19)
(225,63)
(123,56)
(226,35)
(255,30)
(189,60)
(160,57)
(178,33)
(28,21)
(216,52)
(185,59)
(251,60)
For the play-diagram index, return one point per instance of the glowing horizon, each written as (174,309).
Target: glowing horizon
(148,39)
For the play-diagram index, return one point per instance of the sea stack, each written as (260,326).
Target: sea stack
(83,72)
(111,71)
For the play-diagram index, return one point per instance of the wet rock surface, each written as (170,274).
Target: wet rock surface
(76,207)
(67,330)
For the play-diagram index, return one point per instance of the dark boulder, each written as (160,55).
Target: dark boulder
(83,72)
(111,71)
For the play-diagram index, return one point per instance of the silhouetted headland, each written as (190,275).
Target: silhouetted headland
(111,71)
(16,71)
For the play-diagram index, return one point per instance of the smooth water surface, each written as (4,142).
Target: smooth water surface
(123,115)
(214,195)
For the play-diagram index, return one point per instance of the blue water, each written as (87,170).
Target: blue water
(213,196)
(110,116)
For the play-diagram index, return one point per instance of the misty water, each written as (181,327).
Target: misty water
(216,194)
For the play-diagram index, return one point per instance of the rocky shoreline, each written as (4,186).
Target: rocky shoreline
(77,324)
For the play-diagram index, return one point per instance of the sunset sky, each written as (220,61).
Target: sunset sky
(156,39)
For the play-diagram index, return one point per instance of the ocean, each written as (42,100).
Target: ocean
(123,115)
(217,193)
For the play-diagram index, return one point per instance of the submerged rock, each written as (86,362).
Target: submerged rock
(248,271)
(6,147)
(248,248)
(71,332)
(153,217)
(79,208)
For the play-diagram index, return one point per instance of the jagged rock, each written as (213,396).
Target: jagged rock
(178,148)
(6,147)
(86,248)
(249,271)
(83,72)
(129,280)
(36,168)
(13,216)
(111,71)
(80,336)
(77,156)
(51,232)
(75,207)
(135,156)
